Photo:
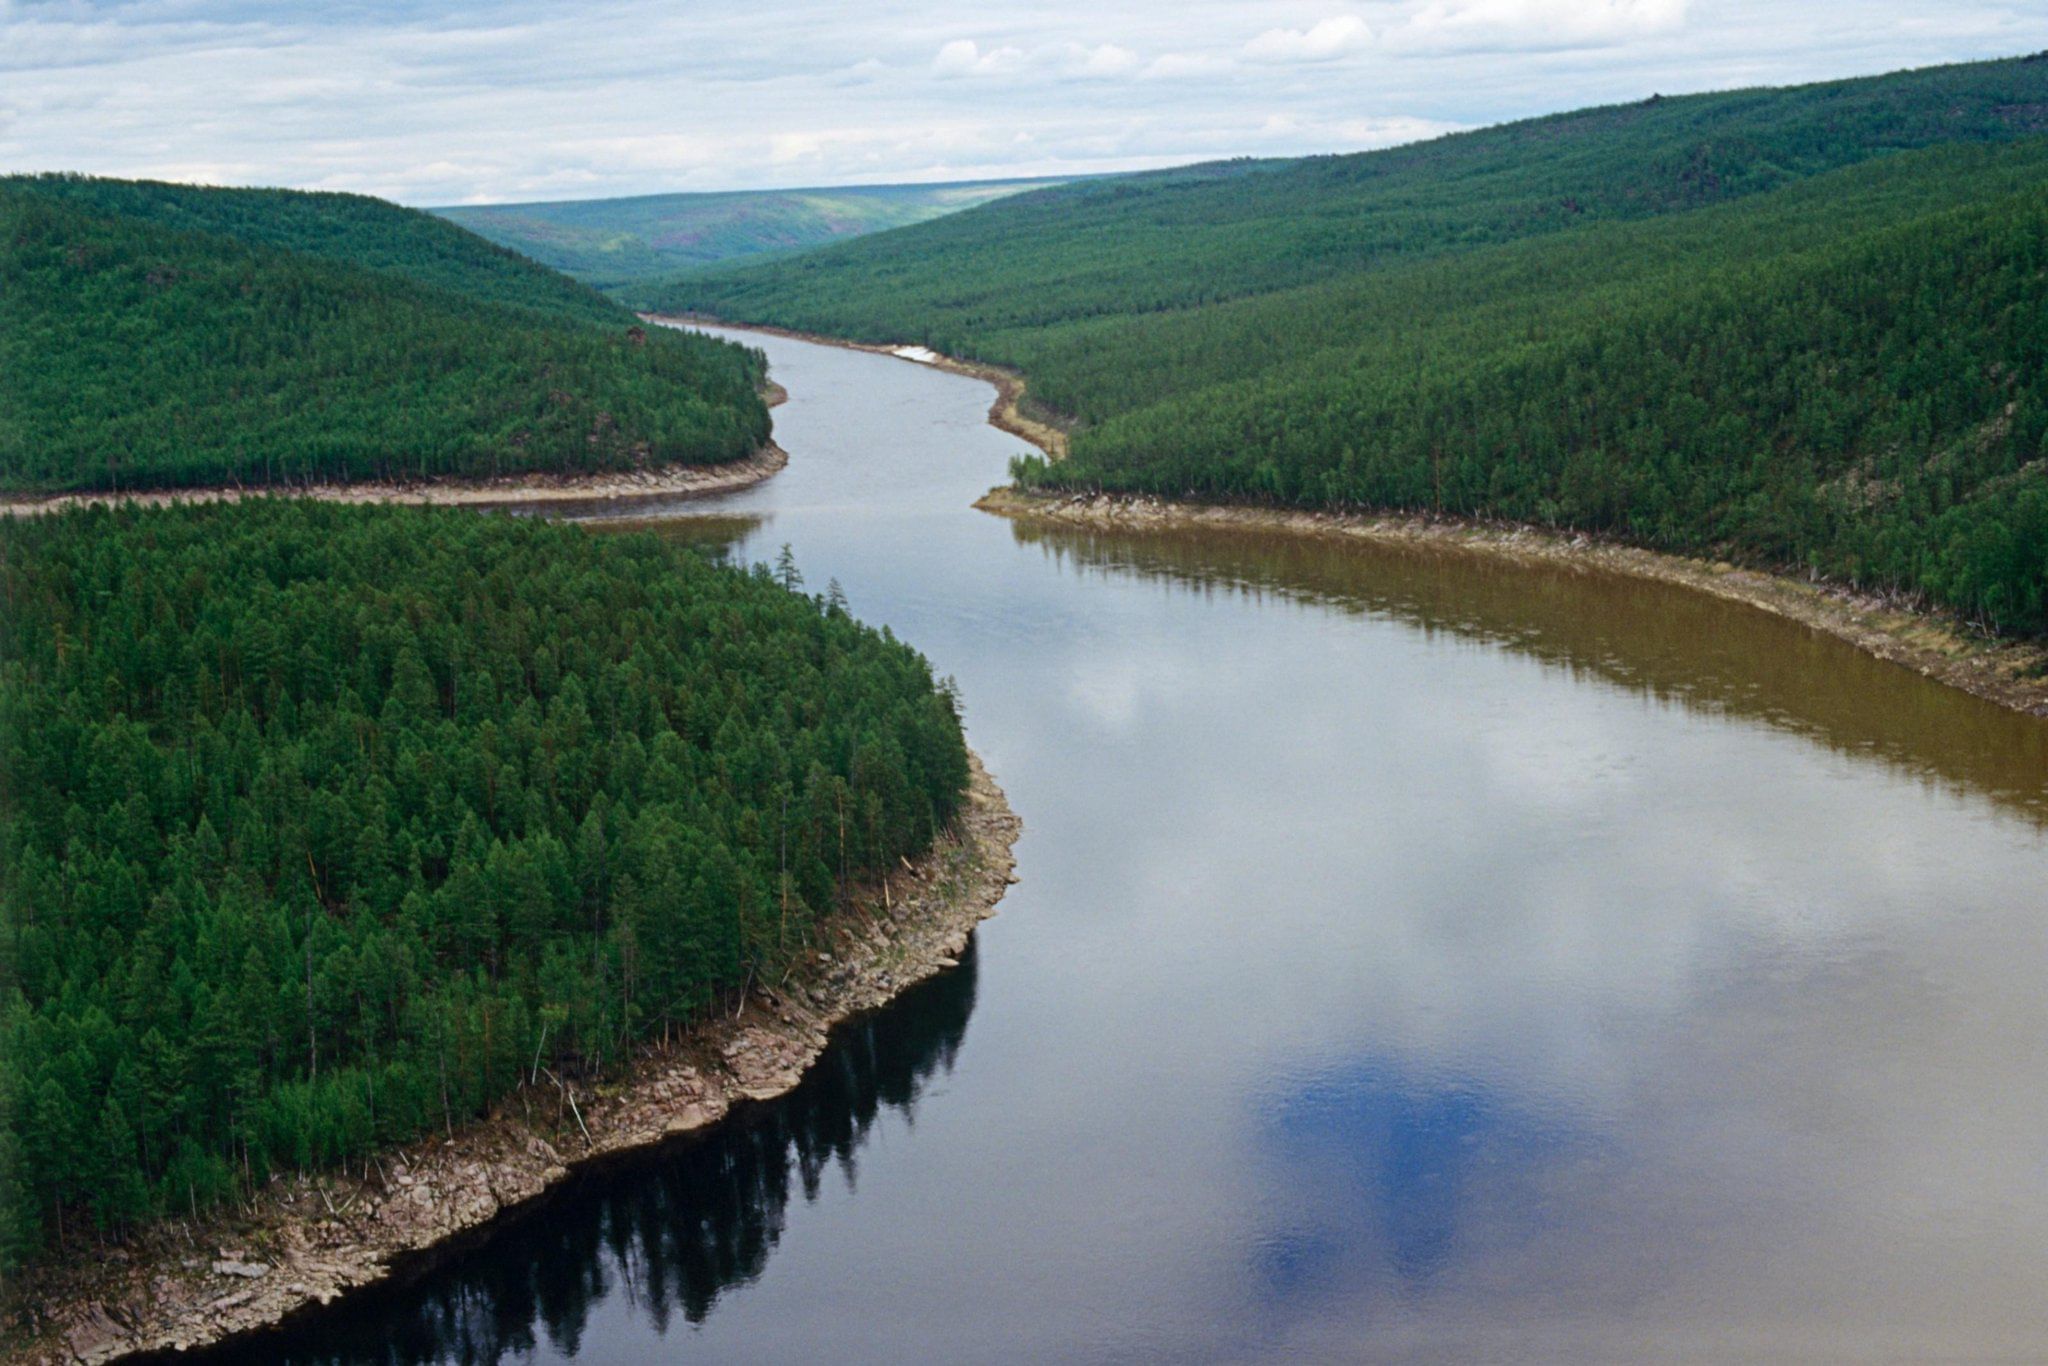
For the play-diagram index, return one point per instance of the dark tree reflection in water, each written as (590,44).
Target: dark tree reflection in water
(667,1232)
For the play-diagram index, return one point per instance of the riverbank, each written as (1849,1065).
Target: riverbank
(1936,644)
(511,490)
(306,1240)
(1006,413)
(2010,673)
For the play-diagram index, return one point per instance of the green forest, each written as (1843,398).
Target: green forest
(1801,327)
(324,826)
(157,336)
(351,229)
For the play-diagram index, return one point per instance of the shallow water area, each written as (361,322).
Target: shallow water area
(1417,955)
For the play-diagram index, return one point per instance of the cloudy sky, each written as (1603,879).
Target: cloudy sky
(433,103)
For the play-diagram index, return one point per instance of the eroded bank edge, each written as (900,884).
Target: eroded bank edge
(309,1239)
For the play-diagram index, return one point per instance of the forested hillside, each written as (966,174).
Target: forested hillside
(351,229)
(324,825)
(1801,326)
(624,244)
(1186,238)
(136,354)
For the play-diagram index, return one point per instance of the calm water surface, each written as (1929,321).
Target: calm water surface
(1416,957)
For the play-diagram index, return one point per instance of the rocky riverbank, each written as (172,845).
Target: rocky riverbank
(669,482)
(305,1241)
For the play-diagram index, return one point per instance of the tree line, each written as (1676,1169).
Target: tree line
(1794,327)
(1872,409)
(347,229)
(1197,236)
(324,826)
(140,354)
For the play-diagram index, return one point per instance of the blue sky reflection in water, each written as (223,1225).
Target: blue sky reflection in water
(1373,1172)
(1416,956)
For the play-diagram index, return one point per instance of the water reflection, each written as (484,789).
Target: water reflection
(1371,1175)
(1662,640)
(716,534)
(1418,956)
(663,1235)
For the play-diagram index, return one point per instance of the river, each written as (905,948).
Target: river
(1417,956)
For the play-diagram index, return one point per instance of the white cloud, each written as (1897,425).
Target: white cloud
(1541,22)
(1338,36)
(1281,134)
(1107,60)
(432,103)
(1079,61)
(1364,134)
(1174,66)
(963,57)
(787,147)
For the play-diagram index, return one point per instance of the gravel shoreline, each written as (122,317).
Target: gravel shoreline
(674,481)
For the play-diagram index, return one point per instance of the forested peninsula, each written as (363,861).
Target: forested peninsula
(1803,328)
(327,827)
(160,336)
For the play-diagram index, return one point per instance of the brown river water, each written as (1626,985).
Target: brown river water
(1417,956)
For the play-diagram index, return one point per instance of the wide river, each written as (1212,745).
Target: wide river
(1417,956)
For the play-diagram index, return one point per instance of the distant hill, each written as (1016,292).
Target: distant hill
(165,336)
(1804,326)
(351,229)
(617,242)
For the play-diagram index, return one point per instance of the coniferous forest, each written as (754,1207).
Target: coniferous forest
(163,336)
(1804,327)
(351,229)
(324,825)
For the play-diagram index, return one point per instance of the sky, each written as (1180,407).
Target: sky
(430,103)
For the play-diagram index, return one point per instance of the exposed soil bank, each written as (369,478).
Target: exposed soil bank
(674,481)
(307,1240)
(2011,673)
(1006,413)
